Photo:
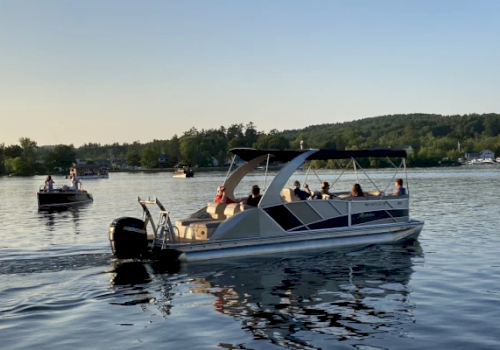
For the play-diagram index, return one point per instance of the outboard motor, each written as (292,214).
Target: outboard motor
(128,238)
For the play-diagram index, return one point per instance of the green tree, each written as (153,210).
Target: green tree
(13,151)
(175,151)
(272,141)
(189,147)
(2,158)
(133,158)
(14,165)
(149,158)
(62,156)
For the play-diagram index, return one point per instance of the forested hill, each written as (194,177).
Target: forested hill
(433,138)
(429,133)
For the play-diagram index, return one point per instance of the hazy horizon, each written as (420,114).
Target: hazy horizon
(122,71)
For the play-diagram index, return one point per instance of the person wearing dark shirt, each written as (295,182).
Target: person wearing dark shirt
(400,190)
(254,199)
(302,195)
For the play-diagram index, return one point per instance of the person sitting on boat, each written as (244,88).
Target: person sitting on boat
(400,190)
(302,195)
(74,183)
(356,191)
(325,186)
(254,198)
(49,184)
(221,196)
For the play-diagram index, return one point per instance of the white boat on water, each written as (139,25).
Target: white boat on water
(183,172)
(279,223)
(88,171)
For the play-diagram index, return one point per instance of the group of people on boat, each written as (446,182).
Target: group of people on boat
(49,184)
(254,198)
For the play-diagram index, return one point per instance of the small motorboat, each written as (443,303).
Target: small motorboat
(61,197)
(280,222)
(183,172)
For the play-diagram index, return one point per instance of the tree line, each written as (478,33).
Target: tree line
(434,139)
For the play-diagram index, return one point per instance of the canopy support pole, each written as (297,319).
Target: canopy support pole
(355,170)
(406,174)
(397,171)
(229,170)
(367,175)
(267,166)
(342,173)
(307,174)
(315,173)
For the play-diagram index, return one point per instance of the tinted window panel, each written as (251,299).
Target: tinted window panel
(283,216)
(399,213)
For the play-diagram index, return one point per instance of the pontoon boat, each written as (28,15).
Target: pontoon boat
(88,172)
(280,223)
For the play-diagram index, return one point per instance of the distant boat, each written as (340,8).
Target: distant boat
(88,171)
(183,171)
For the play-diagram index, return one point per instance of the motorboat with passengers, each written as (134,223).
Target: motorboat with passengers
(280,222)
(88,172)
(183,171)
(64,196)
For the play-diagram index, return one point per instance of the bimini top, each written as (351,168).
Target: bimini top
(248,154)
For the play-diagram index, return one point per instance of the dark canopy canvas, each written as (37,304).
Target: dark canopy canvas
(322,154)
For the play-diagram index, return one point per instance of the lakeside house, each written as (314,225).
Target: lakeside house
(163,160)
(103,163)
(485,154)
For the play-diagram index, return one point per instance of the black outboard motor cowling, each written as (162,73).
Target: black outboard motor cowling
(128,238)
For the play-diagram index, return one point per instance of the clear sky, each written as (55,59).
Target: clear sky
(119,71)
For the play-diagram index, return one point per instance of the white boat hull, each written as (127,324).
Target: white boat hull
(93,177)
(325,240)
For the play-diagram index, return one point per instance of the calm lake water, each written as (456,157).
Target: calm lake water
(60,288)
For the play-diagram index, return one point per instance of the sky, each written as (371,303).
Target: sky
(120,71)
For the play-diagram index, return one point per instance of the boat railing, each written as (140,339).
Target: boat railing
(163,230)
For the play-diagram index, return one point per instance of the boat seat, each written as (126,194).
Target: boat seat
(374,193)
(189,221)
(216,210)
(203,230)
(343,196)
(233,208)
(289,195)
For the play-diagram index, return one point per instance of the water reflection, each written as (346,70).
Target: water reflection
(350,296)
(56,216)
(135,282)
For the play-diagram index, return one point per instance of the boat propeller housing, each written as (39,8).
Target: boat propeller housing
(128,238)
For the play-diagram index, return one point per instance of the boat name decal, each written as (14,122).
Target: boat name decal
(366,215)
(133,229)
(376,204)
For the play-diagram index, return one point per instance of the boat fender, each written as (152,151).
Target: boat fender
(128,238)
